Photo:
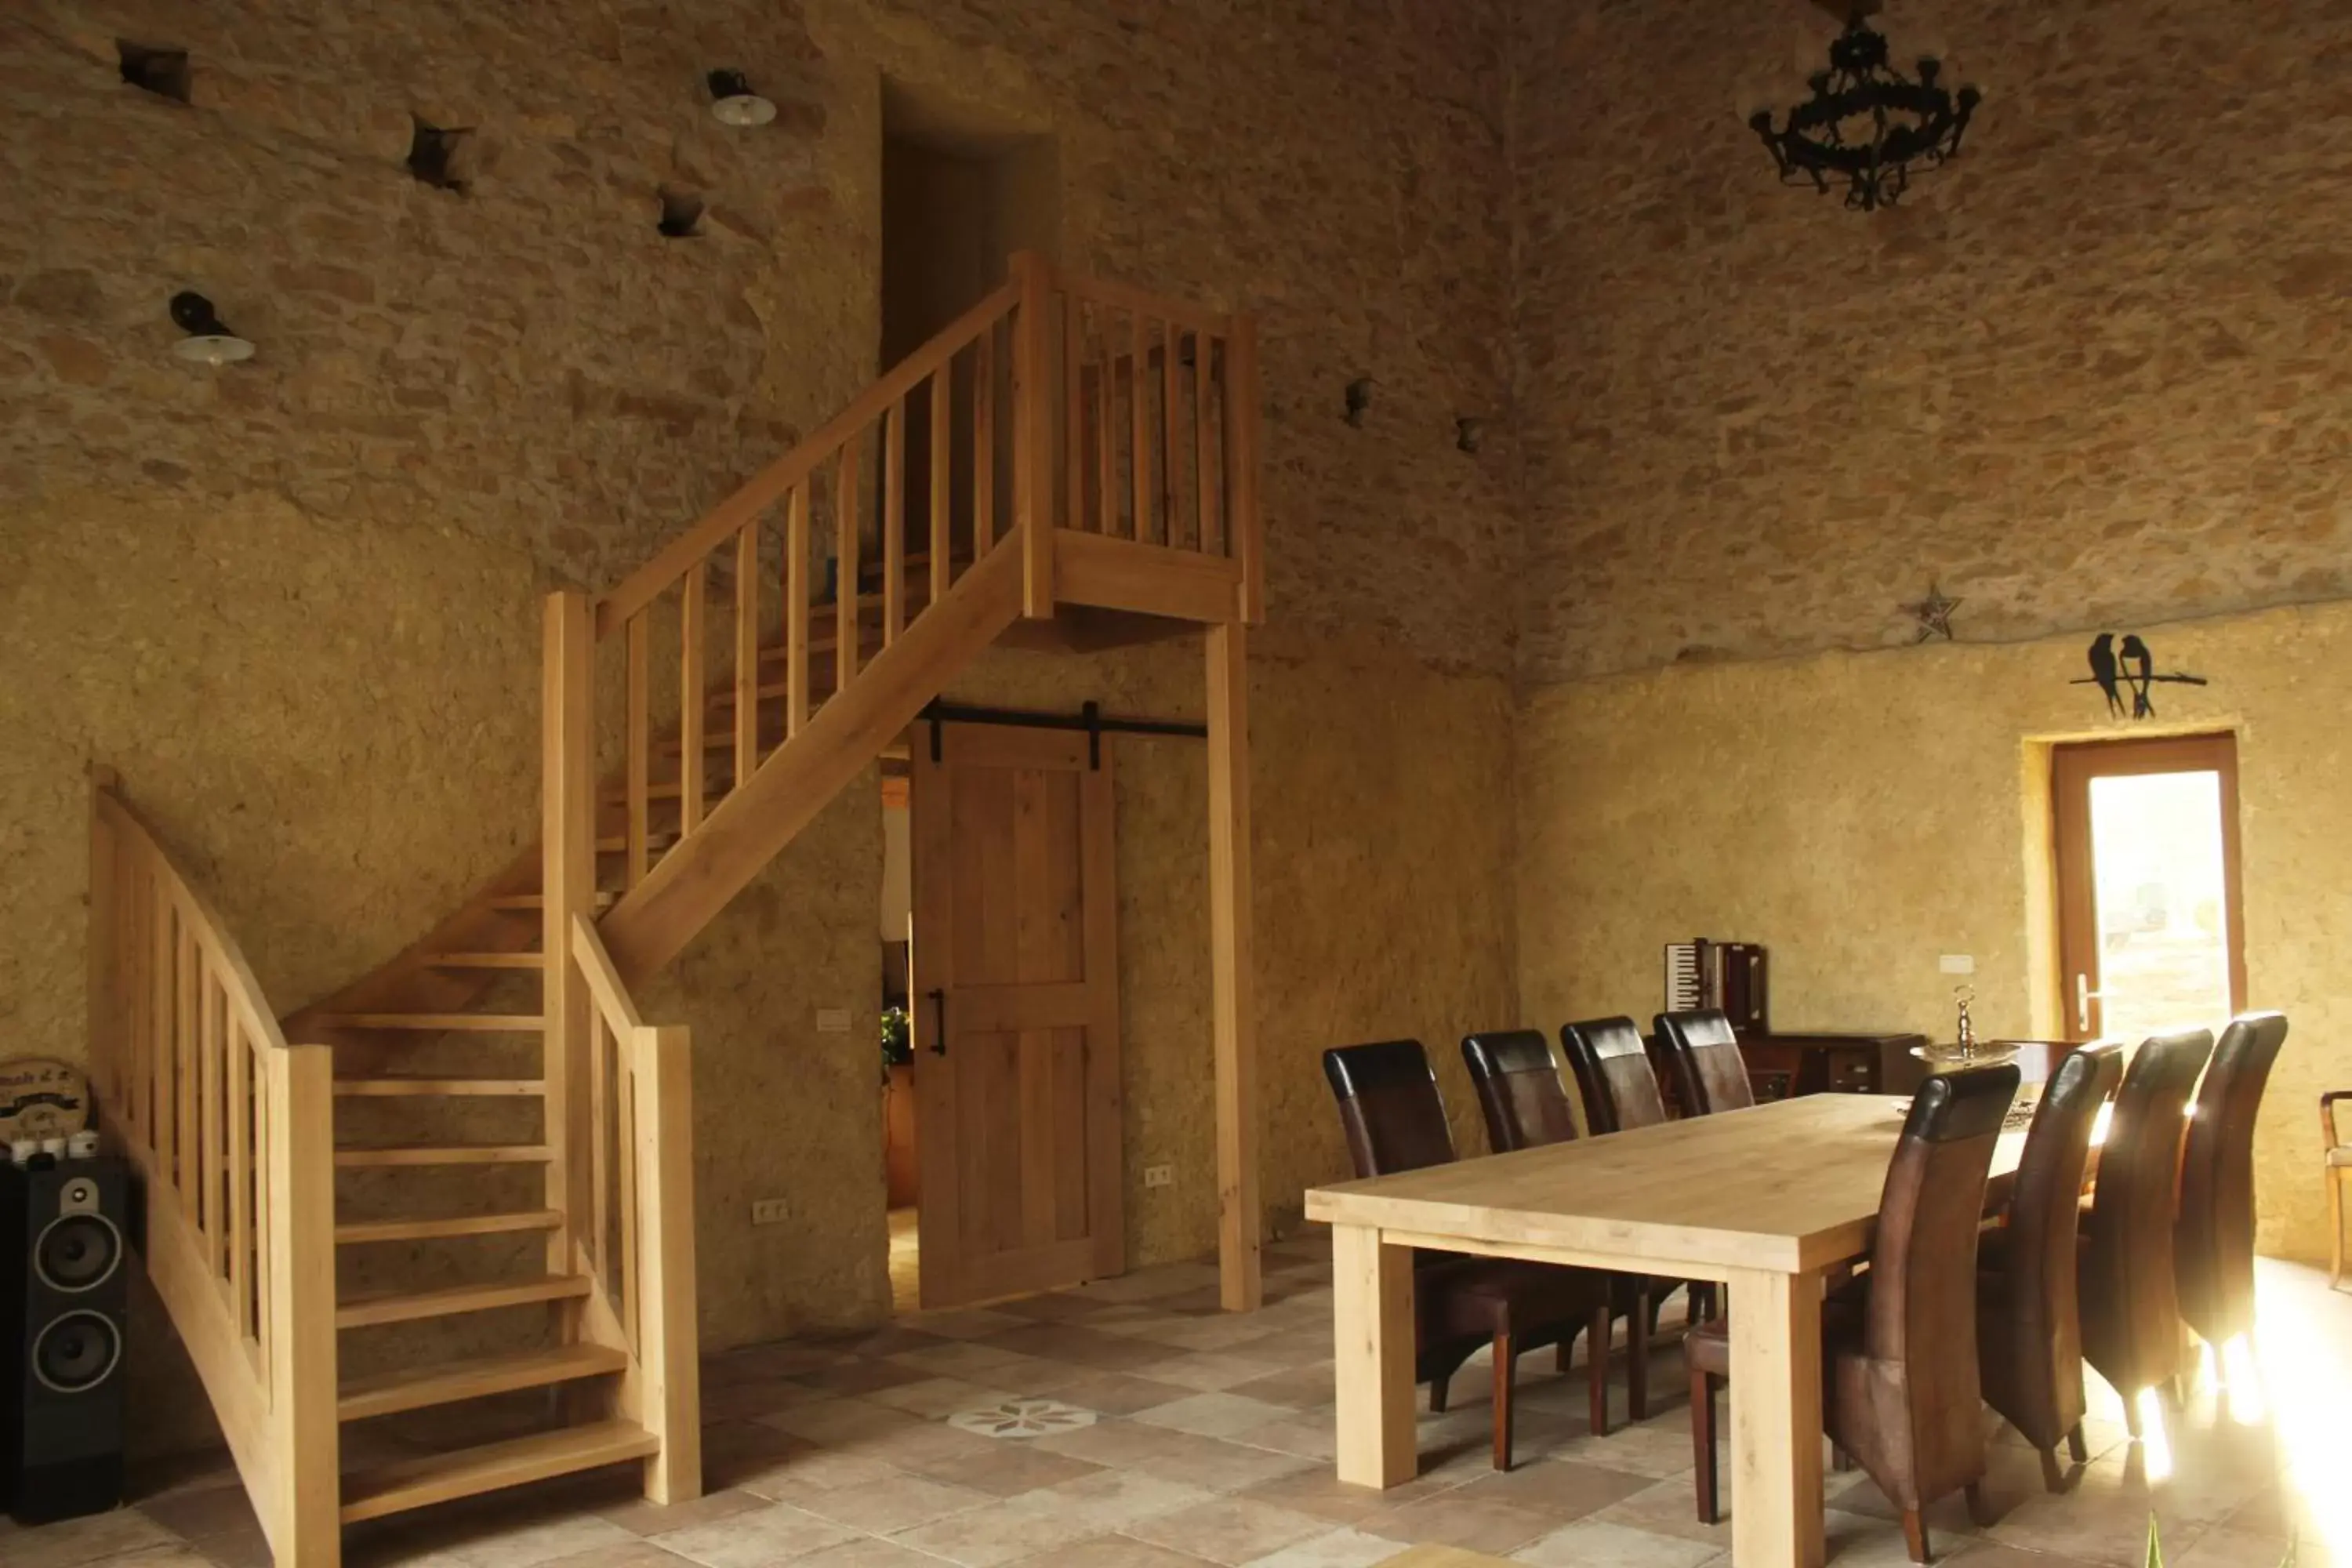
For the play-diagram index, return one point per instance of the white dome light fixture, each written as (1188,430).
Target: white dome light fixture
(732,101)
(208,340)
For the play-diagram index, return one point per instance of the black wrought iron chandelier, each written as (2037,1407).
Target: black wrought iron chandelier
(1867,123)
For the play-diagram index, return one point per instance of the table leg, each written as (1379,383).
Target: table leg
(1371,1323)
(1776,1421)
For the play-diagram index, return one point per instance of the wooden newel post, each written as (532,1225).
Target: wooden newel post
(1032,430)
(307,1526)
(668,1383)
(1233,990)
(568,887)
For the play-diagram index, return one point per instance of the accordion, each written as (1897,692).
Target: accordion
(1726,976)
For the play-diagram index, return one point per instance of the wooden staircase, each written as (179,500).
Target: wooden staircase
(481,1141)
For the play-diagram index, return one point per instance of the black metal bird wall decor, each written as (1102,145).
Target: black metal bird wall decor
(2132,664)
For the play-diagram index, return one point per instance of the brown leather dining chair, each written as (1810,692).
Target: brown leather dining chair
(1520,1094)
(2213,1240)
(1709,1070)
(2129,1302)
(1620,1091)
(2029,1339)
(1395,1121)
(1899,1391)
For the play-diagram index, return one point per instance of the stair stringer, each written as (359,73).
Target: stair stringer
(681,895)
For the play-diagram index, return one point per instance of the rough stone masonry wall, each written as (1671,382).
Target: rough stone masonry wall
(296,601)
(2095,371)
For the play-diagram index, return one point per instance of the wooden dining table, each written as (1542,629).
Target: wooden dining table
(1768,1200)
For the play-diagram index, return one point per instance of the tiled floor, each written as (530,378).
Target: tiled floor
(1211,1440)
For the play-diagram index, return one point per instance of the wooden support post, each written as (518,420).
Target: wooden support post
(1244,534)
(668,1385)
(1234,995)
(568,889)
(1033,431)
(305,1525)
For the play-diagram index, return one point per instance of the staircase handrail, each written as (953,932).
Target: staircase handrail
(231,1129)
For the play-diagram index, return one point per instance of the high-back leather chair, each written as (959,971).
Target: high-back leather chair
(1709,1071)
(1620,1091)
(1395,1121)
(2129,1302)
(2214,1241)
(1518,1088)
(1899,1343)
(2029,1339)
(1526,1106)
(1614,1075)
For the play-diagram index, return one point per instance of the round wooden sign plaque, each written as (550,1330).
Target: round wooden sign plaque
(41,1099)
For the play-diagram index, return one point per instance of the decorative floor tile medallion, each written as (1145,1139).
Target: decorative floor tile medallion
(1022,1418)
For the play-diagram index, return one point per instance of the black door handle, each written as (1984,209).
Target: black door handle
(939,1020)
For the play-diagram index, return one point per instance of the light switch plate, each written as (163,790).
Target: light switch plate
(1159,1175)
(770,1211)
(833,1020)
(1957,963)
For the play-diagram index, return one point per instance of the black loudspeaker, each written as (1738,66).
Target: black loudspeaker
(64,1263)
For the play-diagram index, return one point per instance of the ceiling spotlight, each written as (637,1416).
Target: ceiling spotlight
(208,340)
(732,101)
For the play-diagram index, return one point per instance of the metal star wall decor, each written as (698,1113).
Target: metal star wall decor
(1934,614)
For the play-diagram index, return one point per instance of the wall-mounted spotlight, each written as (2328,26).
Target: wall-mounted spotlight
(732,101)
(1469,432)
(208,339)
(1359,400)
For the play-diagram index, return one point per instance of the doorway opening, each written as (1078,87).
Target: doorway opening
(2151,927)
(961,191)
(901,1174)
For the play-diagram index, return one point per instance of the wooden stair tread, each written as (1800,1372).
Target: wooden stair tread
(370,1230)
(530,960)
(446,1154)
(486,1023)
(400,1307)
(412,1084)
(513,902)
(413,1388)
(463,1472)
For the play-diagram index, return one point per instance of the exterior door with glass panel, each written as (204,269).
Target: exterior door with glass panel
(2151,931)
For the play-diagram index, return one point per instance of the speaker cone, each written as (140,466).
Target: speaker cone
(76,1352)
(78,1252)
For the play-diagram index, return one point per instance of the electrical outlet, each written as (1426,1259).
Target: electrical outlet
(770,1211)
(1957,963)
(1159,1175)
(833,1020)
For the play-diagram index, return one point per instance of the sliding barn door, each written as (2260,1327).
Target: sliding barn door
(1015,1011)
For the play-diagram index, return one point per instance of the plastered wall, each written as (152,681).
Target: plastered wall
(1863,814)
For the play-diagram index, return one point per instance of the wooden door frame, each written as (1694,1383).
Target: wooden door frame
(2072,764)
(944,1282)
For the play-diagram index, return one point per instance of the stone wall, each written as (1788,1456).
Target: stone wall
(296,601)
(2094,372)
(1863,814)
